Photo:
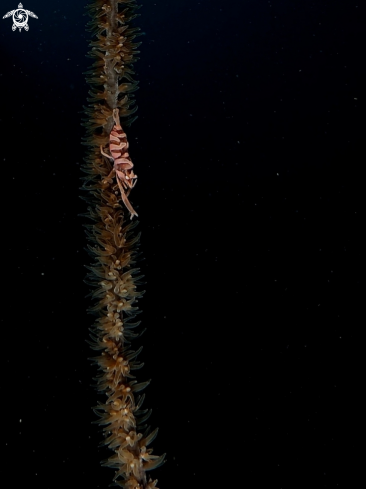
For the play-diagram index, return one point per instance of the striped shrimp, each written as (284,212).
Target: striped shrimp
(123,166)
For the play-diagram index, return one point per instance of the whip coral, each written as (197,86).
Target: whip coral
(113,244)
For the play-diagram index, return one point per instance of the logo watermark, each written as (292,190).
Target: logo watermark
(20,18)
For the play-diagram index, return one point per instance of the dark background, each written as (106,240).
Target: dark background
(249,148)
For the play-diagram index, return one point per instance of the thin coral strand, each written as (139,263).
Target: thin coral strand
(113,245)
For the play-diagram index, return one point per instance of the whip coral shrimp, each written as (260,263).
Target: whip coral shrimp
(122,164)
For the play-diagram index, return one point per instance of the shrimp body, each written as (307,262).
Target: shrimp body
(122,164)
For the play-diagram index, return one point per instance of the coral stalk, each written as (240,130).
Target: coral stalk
(113,244)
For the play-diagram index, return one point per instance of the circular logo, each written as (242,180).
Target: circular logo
(20,18)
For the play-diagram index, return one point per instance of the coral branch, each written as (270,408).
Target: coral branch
(114,246)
